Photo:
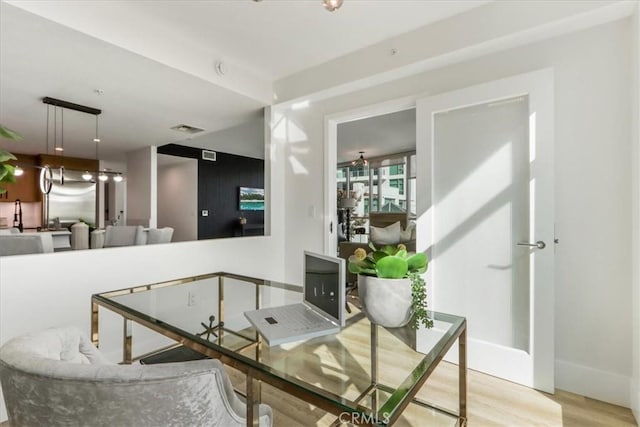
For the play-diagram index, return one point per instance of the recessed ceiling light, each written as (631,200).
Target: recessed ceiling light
(332,5)
(187,129)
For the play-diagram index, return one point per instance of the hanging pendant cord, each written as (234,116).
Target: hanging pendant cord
(55,129)
(62,130)
(48,109)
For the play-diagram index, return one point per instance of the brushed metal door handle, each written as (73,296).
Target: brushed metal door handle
(539,244)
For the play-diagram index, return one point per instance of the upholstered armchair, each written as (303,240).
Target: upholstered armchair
(118,235)
(159,235)
(25,243)
(58,378)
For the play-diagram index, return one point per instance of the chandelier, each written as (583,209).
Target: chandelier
(360,162)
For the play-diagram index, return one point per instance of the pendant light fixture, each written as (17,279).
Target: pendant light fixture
(96,139)
(87,176)
(55,130)
(360,162)
(101,176)
(18,171)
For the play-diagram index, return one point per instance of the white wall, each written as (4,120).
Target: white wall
(246,139)
(141,187)
(178,197)
(593,188)
(635,162)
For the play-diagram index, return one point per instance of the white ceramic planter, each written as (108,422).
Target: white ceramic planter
(386,302)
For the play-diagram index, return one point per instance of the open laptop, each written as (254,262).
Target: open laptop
(322,312)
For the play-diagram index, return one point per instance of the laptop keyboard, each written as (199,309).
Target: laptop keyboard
(299,319)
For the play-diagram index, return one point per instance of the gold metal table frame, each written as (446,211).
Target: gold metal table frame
(256,373)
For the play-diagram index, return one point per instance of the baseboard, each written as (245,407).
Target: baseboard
(635,400)
(594,383)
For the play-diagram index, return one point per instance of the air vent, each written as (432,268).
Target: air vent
(187,129)
(209,155)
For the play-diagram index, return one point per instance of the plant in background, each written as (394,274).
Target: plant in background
(7,171)
(394,262)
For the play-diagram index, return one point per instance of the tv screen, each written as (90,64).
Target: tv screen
(251,199)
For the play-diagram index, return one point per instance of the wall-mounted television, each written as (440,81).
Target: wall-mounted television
(251,199)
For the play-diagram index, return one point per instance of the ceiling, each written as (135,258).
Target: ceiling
(131,51)
(377,136)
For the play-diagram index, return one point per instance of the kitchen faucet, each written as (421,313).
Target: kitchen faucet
(17,215)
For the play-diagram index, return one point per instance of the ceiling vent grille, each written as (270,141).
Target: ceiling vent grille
(187,129)
(209,155)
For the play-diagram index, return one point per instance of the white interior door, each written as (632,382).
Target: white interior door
(486,164)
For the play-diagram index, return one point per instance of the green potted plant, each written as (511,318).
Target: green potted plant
(7,171)
(390,285)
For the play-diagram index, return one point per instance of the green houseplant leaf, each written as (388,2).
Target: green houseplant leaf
(7,172)
(9,134)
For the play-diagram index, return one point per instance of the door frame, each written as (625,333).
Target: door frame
(331,123)
(539,86)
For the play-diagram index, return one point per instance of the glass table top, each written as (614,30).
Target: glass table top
(342,368)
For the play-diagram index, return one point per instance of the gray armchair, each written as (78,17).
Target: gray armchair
(58,378)
(25,243)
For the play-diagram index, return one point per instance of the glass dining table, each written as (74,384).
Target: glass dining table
(365,374)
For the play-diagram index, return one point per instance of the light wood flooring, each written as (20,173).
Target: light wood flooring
(491,402)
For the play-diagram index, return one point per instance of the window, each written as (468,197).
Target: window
(396,188)
(397,183)
(396,170)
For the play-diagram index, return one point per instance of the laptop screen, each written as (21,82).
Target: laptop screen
(324,285)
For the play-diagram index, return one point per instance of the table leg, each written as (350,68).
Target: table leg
(220,308)
(126,343)
(462,374)
(95,332)
(374,366)
(253,400)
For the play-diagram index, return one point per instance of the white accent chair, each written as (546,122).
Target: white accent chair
(118,235)
(57,377)
(159,235)
(25,243)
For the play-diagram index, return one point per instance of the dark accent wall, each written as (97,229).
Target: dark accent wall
(218,190)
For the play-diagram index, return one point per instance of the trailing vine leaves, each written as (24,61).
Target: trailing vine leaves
(419,302)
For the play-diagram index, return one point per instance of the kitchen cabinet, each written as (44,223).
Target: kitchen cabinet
(26,186)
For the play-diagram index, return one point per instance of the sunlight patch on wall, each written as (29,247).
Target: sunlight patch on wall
(285,131)
(485,183)
(297,167)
